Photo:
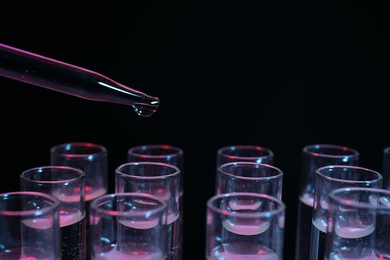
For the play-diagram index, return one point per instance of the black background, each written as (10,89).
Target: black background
(277,74)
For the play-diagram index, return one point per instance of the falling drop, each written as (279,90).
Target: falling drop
(145,110)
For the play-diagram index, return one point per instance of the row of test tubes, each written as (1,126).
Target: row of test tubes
(143,219)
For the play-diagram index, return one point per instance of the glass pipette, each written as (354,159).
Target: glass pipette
(59,76)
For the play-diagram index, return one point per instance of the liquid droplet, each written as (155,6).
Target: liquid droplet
(145,110)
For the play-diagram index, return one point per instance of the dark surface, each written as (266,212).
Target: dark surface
(280,75)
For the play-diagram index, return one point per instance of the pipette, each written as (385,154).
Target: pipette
(59,76)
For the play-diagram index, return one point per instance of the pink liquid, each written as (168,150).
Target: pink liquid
(146,224)
(69,219)
(91,194)
(18,254)
(242,251)
(134,255)
(340,257)
(246,229)
(41,223)
(355,243)
(355,232)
